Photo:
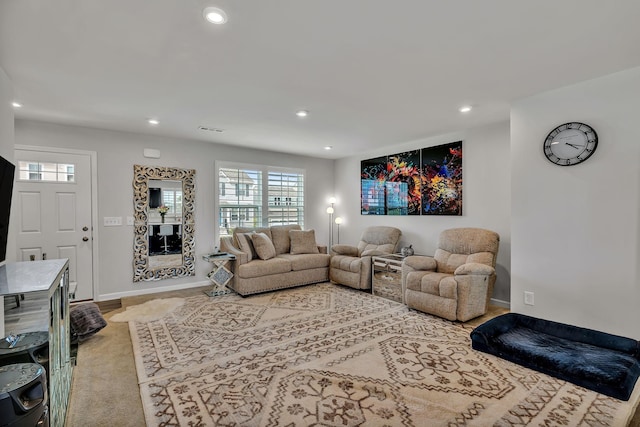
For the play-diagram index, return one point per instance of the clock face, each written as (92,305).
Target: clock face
(570,144)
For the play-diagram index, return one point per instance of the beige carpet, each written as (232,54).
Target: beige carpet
(327,355)
(148,311)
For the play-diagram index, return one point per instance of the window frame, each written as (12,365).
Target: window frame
(264,205)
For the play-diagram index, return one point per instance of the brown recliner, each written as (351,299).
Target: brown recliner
(351,265)
(457,282)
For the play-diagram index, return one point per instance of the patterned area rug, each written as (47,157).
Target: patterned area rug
(326,355)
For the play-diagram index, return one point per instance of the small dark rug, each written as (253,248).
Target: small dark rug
(605,363)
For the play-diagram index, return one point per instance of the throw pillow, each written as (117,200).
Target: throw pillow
(263,246)
(303,242)
(245,244)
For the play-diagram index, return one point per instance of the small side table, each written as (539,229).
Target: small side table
(386,276)
(220,275)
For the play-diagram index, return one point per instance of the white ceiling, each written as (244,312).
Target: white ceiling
(370,72)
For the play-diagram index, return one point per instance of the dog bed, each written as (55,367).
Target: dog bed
(605,363)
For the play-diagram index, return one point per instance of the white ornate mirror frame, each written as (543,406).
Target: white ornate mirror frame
(141,268)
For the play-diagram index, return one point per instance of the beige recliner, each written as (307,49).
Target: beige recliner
(351,265)
(457,282)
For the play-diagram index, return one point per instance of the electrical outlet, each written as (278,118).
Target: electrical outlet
(528,298)
(112,221)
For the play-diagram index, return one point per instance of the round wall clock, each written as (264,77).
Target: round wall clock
(570,144)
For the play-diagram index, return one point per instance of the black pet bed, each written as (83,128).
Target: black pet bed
(605,363)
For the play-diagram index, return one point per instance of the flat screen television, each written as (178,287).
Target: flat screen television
(6,190)
(155,198)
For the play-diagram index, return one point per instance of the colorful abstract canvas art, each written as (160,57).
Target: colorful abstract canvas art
(373,176)
(403,183)
(442,175)
(427,181)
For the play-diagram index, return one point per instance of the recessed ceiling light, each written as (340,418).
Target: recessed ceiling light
(465,109)
(302,113)
(16,104)
(153,122)
(214,15)
(328,147)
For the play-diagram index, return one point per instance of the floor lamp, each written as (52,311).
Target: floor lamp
(330,212)
(338,221)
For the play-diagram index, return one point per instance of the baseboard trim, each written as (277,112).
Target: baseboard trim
(501,303)
(118,295)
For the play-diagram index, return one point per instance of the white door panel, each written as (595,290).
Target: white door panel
(55,217)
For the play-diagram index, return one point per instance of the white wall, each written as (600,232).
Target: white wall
(486,197)
(575,229)
(117,152)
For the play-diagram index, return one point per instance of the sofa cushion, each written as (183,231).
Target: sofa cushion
(306,261)
(280,237)
(263,246)
(265,230)
(245,244)
(303,242)
(259,268)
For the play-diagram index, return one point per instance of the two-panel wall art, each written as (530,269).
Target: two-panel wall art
(427,181)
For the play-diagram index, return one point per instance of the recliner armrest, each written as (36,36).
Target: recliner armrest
(419,262)
(344,250)
(474,268)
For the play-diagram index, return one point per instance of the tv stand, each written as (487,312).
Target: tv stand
(52,277)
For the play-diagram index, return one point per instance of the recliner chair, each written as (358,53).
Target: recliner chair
(457,282)
(351,265)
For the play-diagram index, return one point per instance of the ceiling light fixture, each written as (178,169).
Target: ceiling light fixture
(302,113)
(16,104)
(214,15)
(153,122)
(465,109)
(328,147)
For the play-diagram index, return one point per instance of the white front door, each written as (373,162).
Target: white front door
(52,204)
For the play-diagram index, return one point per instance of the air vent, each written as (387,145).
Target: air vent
(208,129)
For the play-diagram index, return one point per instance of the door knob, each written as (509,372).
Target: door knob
(85,239)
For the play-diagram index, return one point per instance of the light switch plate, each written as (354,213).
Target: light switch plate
(112,221)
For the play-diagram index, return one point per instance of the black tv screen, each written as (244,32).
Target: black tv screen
(155,198)
(6,190)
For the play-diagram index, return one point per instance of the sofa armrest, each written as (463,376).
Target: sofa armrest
(344,250)
(418,262)
(474,268)
(226,245)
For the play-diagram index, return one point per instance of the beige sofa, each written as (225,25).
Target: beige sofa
(273,258)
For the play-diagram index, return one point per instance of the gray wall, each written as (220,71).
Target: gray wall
(576,238)
(486,197)
(117,152)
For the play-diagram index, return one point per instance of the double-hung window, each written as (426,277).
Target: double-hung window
(260,196)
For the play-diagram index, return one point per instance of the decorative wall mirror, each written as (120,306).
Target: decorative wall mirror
(163,204)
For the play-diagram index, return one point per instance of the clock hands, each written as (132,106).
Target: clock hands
(574,145)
